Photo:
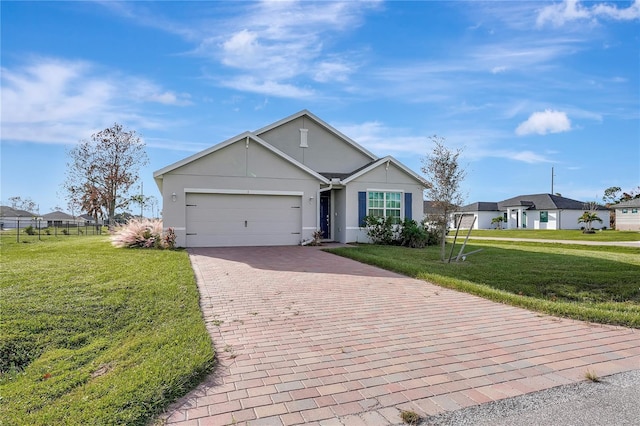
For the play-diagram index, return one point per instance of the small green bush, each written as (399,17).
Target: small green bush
(409,233)
(413,235)
(380,230)
(30,230)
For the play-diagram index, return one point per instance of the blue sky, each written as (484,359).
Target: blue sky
(521,86)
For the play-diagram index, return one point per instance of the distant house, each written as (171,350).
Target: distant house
(11,218)
(59,219)
(627,216)
(89,220)
(536,211)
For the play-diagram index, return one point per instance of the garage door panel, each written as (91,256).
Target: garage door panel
(242,220)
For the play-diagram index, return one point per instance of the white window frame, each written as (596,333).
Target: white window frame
(384,207)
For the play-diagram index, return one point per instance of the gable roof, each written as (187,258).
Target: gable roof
(480,206)
(634,202)
(6,211)
(158,174)
(58,215)
(388,159)
(318,120)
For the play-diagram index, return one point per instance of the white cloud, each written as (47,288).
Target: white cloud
(543,122)
(383,140)
(526,157)
(56,101)
(269,43)
(498,70)
(572,10)
(249,83)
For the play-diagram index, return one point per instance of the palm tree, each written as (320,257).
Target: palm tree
(588,218)
(498,221)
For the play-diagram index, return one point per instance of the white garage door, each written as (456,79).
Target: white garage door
(223,220)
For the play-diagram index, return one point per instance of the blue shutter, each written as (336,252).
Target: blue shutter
(407,205)
(362,207)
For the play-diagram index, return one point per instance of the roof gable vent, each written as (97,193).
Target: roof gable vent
(303,138)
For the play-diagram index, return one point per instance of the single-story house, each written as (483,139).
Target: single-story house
(536,211)
(60,219)
(11,218)
(282,183)
(90,220)
(627,216)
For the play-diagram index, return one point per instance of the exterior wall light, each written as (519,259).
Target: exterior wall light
(174,197)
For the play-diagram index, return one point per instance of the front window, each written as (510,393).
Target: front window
(385,204)
(544,217)
(624,210)
(634,210)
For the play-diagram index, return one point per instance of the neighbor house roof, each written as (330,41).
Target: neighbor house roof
(57,215)
(635,202)
(480,206)
(433,207)
(6,211)
(532,202)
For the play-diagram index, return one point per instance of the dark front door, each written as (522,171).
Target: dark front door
(325,214)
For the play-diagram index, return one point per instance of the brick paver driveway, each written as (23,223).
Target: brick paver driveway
(304,336)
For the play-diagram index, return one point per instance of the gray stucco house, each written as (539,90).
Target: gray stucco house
(627,216)
(279,184)
(535,211)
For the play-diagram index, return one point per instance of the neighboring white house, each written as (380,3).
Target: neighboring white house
(60,219)
(536,211)
(280,184)
(627,216)
(11,218)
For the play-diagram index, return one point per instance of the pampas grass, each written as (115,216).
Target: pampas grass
(143,233)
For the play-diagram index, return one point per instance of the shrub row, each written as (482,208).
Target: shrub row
(408,233)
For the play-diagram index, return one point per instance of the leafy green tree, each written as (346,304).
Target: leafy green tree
(498,221)
(611,195)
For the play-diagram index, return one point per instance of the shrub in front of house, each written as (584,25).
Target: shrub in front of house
(143,233)
(380,230)
(29,230)
(409,233)
(413,235)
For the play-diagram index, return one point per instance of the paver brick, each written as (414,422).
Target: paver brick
(327,329)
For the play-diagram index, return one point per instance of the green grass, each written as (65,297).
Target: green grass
(92,334)
(591,283)
(568,234)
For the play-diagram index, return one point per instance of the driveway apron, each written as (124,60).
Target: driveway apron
(307,337)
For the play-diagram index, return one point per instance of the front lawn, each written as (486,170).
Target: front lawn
(591,283)
(564,234)
(92,334)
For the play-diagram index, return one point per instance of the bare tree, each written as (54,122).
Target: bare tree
(153,203)
(26,204)
(444,176)
(101,170)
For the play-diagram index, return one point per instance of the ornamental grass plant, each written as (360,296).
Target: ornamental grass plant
(144,233)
